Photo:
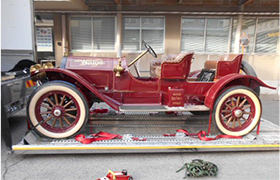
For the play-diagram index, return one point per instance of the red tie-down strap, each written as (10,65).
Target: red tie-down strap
(101,136)
(99,111)
(202,135)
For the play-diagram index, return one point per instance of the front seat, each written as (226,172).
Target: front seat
(155,67)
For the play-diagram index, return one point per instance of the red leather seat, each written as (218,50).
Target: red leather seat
(227,64)
(174,66)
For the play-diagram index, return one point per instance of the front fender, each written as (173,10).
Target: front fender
(229,81)
(63,74)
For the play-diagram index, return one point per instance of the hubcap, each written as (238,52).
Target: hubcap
(238,113)
(57,112)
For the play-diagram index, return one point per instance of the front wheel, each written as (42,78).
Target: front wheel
(57,110)
(237,111)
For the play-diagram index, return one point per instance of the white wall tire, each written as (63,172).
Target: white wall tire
(237,111)
(64,116)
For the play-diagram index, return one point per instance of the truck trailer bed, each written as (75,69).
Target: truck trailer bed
(151,127)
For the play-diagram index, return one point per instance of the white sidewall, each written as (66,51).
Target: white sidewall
(45,132)
(254,121)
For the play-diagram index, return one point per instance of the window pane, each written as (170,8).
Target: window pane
(248,27)
(80,33)
(152,23)
(217,32)
(151,30)
(192,35)
(154,38)
(267,35)
(104,33)
(131,34)
(131,40)
(131,23)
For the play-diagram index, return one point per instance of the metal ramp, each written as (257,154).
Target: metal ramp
(151,127)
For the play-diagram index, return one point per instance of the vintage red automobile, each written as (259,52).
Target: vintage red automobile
(59,107)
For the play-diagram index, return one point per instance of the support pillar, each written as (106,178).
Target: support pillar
(238,34)
(57,28)
(63,27)
(119,34)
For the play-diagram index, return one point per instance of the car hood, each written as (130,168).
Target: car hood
(93,63)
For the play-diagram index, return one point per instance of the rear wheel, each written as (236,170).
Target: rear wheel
(237,111)
(57,110)
(245,68)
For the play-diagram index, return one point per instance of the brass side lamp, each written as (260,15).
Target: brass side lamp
(118,69)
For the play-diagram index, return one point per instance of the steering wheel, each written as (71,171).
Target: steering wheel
(150,49)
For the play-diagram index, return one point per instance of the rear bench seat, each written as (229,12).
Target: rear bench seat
(227,64)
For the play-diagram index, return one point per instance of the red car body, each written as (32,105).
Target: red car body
(97,75)
(238,109)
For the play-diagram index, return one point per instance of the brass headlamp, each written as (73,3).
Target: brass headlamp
(35,68)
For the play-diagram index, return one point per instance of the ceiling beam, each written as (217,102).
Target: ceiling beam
(244,2)
(117,1)
(249,2)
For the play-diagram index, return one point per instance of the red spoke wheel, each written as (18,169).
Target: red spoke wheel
(237,111)
(57,110)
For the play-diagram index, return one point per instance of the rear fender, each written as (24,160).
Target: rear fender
(229,81)
(71,77)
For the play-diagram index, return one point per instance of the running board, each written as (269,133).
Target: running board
(134,108)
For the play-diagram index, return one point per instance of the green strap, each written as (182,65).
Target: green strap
(199,168)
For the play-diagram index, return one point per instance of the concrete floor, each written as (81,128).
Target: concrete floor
(232,165)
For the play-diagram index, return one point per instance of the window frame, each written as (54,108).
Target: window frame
(255,35)
(256,32)
(230,34)
(140,37)
(92,43)
(205,32)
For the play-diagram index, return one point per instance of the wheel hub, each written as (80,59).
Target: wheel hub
(238,113)
(57,112)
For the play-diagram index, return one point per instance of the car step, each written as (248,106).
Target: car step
(134,108)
